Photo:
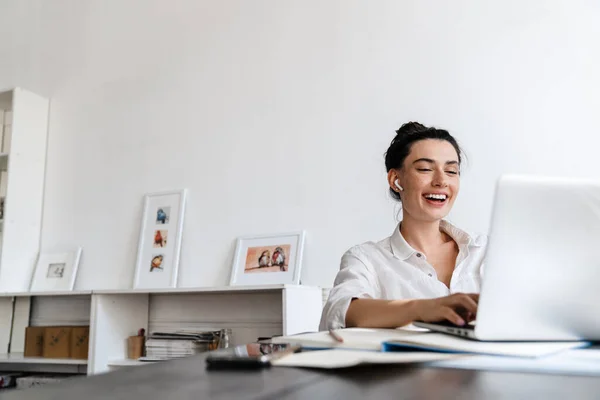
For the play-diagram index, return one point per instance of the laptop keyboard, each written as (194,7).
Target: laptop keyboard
(470,325)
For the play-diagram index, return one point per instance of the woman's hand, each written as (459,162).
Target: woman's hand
(376,313)
(458,308)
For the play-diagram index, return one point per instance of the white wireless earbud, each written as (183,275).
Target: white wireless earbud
(400,188)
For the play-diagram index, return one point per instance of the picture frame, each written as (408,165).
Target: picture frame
(268,259)
(159,245)
(55,271)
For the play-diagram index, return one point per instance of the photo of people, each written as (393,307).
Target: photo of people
(160,238)
(162,215)
(156,263)
(267,259)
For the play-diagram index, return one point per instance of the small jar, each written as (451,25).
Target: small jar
(225,338)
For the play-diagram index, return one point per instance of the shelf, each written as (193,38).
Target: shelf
(57,293)
(214,289)
(18,358)
(128,363)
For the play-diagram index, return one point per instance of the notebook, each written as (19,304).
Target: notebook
(390,340)
(354,338)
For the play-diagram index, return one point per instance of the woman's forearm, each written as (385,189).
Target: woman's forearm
(373,313)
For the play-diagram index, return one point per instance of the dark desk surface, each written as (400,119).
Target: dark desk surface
(188,379)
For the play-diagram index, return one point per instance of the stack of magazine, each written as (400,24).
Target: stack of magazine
(171,345)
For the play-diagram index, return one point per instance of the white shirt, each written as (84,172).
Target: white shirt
(391,269)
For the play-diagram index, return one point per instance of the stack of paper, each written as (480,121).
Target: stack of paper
(171,345)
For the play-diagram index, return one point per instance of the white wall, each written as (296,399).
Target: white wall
(275,114)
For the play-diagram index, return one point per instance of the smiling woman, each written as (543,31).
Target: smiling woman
(428,269)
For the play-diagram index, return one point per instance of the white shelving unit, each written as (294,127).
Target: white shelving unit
(23,138)
(113,315)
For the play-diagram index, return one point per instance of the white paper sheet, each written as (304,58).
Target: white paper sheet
(340,358)
(580,362)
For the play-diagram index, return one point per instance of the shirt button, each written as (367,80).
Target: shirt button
(418,254)
(430,274)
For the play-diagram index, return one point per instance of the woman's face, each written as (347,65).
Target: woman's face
(430,177)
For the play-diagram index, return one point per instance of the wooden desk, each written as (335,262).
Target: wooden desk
(188,379)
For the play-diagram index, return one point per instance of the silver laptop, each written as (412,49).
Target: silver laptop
(541,275)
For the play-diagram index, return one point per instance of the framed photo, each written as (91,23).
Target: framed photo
(159,245)
(268,259)
(55,271)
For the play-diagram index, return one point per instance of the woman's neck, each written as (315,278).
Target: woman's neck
(421,235)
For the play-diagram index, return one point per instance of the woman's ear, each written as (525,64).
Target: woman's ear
(394,181)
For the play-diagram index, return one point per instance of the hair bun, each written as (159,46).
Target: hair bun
(410,133)
(410,128)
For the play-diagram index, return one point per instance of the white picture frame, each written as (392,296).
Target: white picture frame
(255,256)
(159,245)
(55,271)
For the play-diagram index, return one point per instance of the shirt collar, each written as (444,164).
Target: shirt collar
(402,250)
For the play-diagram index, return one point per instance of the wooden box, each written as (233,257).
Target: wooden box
(57,342)
(34,341)
(80,342)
